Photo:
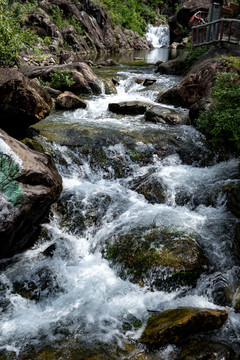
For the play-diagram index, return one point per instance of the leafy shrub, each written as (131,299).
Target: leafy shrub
(132,14)
(61,79)
(221,122)
(13,38)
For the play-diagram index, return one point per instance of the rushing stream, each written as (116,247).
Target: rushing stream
(75,298)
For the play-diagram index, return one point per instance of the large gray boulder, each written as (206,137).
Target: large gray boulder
(23,102)
(29,184)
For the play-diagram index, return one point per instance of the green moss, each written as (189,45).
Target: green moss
(170,259)
(9,186)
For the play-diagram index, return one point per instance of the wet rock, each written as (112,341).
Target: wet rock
(50,250)
(173,326)
(39,286)
(128,107)
(69,101)
(138,81)
(85,81)
(115,82)
(109,62)
(164,115)
(109,87)
(233,200)
(157,258)
(28,187)
(236,243)
(23,102)
(236,301)
(141,146)
(197,108)
(54,93)
(173,67)
(148,82)
(150,188)
(199,350)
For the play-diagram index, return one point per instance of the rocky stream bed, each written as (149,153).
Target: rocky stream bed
(139,258)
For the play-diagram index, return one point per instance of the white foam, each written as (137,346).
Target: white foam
(5,149)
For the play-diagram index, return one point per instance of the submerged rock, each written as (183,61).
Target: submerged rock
(150,188)
(205,349)
(23,102)
(173,326)
(160,259)
(28,187)
(141,145)
(69,101)
(129,107)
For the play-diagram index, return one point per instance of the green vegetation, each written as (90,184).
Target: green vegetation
(13,38)
(221,121)
(60,78)
(132,14)
(58,17)
(194,55)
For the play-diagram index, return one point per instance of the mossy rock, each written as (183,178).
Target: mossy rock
(173,326)
(141,144)
(35,145)
(209,350)
(157,258)
(109,87)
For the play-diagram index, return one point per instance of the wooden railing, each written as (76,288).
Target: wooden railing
(219,31)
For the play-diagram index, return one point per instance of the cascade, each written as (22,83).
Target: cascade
(159,36)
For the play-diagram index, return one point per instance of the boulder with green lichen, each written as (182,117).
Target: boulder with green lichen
(160,259)
(173,326)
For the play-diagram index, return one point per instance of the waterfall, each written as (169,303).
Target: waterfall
(158,35)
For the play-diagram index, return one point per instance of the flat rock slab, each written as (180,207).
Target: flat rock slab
(129,107)
(172,326)
(164,115)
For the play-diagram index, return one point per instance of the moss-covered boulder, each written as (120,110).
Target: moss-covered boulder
(209,350)
(157,258)
(173,326)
